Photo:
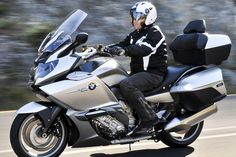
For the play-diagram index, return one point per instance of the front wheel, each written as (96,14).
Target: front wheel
(182,139)
(27,139)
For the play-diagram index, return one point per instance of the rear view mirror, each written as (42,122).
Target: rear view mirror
(81,38)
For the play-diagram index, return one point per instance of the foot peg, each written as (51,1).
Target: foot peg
(137,130)
(133,129)
(143,127)
(163,115)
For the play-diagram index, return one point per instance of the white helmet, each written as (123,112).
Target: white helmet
(144,10)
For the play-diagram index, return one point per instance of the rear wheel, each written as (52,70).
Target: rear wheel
(27,139)
(183,138)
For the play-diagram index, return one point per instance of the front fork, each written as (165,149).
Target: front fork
(48,117)
(45,111)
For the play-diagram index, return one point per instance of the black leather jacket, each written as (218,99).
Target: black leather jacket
(147,49)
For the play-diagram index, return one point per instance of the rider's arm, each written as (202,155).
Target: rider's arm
(147,46)
(125,42)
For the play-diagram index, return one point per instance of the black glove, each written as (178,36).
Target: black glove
(115,50)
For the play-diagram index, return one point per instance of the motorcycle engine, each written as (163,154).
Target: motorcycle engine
(108,126)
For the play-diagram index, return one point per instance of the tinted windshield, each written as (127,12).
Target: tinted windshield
(55,40)
(63,33)
(71,24)
(45,68)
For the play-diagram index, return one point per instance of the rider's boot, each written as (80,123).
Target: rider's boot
(147,116)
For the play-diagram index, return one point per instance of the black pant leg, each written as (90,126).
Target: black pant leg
(131,89)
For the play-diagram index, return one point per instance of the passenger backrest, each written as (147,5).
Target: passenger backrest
(197,26)
(192,39)
(196,47)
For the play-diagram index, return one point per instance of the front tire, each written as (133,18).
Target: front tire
(27,141)
(177,140)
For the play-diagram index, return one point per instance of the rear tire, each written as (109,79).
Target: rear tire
(177,141)
(26,140)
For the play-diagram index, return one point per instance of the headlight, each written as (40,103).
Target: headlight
(44,69)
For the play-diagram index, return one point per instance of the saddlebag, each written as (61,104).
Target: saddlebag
(198,100)
(195,47)
(199,88)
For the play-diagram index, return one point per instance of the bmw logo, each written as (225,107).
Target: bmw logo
(92,86)
(147,11)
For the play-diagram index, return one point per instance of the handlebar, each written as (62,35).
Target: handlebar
(91,51)
(87,51)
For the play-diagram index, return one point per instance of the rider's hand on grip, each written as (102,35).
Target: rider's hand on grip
(116,50)
(100,48)
(107,49)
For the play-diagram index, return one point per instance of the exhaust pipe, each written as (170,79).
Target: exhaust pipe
(180,124)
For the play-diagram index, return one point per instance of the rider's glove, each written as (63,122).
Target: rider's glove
(115,50)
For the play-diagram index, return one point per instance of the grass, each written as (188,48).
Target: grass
(4,8)
(6,24)
(12,98)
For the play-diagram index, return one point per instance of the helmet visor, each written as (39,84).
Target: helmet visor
(137,15)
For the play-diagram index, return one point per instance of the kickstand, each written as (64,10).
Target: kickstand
(129,147)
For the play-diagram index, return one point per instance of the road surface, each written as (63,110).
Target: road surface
(218,139)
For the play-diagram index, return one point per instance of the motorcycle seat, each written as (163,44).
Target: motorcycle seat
(174,72)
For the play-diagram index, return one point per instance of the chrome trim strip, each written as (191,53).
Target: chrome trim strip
(161,98)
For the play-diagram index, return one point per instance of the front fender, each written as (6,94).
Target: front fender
(31,107)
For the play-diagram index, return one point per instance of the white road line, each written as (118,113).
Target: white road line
(94,149)
(231,95)
(221,128)
(10,111)
(216,136)
(109,147)
(5,151)
(140,144)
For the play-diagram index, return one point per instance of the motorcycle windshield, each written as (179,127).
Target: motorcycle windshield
(55,40)
(63,33)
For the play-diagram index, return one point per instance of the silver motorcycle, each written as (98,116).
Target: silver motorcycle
(81,104)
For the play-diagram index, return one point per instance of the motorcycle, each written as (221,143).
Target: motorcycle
(81,105)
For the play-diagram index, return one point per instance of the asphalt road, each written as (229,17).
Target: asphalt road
(218,139)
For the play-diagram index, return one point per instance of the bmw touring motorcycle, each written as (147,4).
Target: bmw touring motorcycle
(80,101)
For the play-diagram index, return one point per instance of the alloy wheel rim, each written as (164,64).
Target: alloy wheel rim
(185,136)
(35,145)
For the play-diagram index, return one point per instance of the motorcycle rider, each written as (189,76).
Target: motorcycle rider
(147,48)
